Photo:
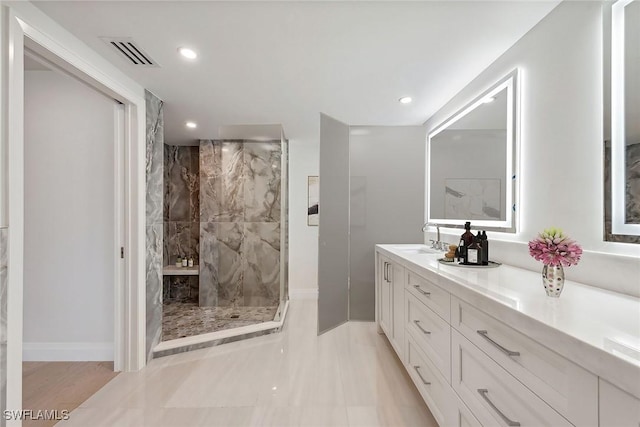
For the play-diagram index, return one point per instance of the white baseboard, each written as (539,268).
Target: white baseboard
(67,351)
(303,294)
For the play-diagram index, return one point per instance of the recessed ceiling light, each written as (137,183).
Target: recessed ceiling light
(488,100)
(187,53)
(405,100)
(191,125)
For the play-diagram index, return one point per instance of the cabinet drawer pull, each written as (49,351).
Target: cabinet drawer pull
(417,368)
(483,392)
(386,273)
(506,351)
(425,293)
(424,331)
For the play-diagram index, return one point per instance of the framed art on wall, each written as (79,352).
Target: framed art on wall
(313,191)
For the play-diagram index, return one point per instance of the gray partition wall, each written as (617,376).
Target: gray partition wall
(333,233)
(387,168)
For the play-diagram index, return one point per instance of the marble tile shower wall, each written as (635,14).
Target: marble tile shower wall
(180,289)
(154,217)
(3,321)
(240,186)
(181,218)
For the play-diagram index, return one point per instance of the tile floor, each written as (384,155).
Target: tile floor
(349,376)
(186,319)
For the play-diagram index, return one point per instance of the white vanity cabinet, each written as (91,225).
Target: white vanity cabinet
(398,279)
(618,408)
(390,291)
(431,333)
(429,293)
(494,396)
(384,298)
(477,367)
(433,387)
(570,389)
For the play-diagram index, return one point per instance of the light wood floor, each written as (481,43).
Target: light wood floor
(347,377)
(61,385)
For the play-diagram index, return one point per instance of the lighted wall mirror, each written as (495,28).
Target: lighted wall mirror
(471,159)
(624,167)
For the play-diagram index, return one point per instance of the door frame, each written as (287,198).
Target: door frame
(60,48)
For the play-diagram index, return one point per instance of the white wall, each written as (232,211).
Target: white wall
(561,174)
(303,239)
(69,220)
(3,107)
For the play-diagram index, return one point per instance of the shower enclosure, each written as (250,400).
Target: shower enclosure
(226,208)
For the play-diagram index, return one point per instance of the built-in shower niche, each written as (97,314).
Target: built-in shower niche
(181,222)
(223,206)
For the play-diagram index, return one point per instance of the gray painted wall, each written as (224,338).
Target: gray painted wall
(387,169)
(333,233)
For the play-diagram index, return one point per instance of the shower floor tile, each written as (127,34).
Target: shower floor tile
(185,319)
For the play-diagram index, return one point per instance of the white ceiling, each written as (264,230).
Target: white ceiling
(285,62)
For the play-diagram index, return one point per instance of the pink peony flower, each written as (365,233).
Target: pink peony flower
(554,248)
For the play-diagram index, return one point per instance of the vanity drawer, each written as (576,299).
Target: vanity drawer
(462,415)
(431,333)
(494,396)
(568,388)
(433,296)
(435,391)
(618,408)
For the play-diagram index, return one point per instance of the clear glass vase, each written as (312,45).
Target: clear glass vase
(553,280)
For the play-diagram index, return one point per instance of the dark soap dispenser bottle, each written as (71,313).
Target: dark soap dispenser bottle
(465,240)
(460,251)
(484,243)
(474,252)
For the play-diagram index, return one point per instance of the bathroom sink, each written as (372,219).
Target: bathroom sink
(417,249)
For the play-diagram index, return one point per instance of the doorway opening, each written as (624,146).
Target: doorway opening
(126,345)
(72,158)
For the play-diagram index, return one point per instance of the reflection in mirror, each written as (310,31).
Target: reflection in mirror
(625,118)
(471,158)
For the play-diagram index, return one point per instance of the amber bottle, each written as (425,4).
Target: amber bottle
(467,236)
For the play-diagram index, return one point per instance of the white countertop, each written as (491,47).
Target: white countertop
(595,328)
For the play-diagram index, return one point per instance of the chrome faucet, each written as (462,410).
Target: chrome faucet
(435,244)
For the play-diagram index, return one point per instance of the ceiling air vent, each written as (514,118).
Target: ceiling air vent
(130,51)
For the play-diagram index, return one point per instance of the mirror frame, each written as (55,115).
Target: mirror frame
(618,179)
(510,83)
